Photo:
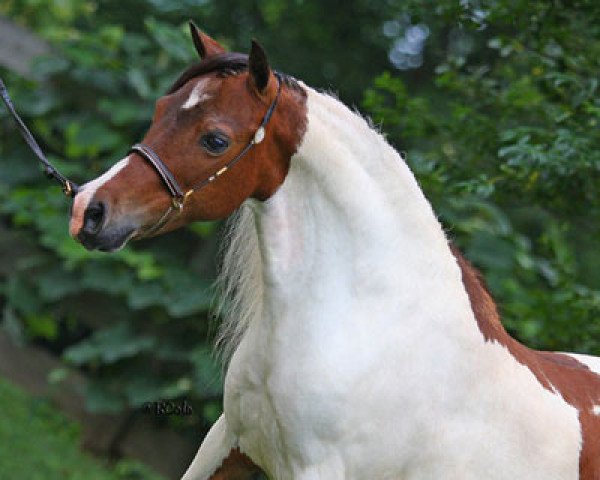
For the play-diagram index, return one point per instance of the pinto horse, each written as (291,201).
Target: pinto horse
(360,344)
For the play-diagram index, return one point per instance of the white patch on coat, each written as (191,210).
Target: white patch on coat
(596,410)
(362,358)
(198,94)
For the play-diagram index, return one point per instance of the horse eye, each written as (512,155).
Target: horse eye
(214,143)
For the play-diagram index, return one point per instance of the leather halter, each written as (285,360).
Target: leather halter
(178,194)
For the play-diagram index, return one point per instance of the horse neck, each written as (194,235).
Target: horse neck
(350,232)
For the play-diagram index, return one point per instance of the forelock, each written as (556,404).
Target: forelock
(224,64)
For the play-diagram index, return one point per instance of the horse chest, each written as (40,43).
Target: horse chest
(352,412)
(299,394)
(318,399)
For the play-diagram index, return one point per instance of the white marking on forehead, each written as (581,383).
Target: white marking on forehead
(198,94)
(596,410)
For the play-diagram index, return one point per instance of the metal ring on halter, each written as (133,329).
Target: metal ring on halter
(178,203)
(178,195)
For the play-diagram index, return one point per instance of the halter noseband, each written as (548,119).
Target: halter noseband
(179,195)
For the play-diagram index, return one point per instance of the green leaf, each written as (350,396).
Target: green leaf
(42,326)
(100,399)
(110,345)
(56,284)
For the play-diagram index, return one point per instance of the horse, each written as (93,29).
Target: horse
(359,342)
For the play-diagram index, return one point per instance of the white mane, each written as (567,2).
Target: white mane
(239,283)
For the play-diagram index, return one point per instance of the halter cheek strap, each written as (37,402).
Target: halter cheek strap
(180,195)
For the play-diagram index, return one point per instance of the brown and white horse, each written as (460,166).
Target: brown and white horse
(360,344)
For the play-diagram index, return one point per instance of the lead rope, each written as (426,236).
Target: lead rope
(69,188)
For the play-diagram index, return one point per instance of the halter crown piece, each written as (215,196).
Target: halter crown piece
(179,195)
(69,188)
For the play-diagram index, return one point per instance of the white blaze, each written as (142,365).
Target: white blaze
(87,192)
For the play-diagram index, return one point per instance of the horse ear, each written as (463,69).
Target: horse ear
(258,66)
(205,45)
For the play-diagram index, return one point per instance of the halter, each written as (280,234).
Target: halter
(69,188)
(179,195)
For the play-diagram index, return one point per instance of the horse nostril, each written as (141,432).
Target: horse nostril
(94,217)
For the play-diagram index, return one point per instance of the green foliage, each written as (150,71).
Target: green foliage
(135,320)
(500,125)
(47,445)
(504,139)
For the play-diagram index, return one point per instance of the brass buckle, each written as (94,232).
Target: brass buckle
(68,189)
(179,202)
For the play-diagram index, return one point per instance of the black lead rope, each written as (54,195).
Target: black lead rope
(68,187)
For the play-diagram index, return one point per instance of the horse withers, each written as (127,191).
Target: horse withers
(360,344)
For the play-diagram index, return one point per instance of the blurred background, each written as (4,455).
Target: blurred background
(495,102)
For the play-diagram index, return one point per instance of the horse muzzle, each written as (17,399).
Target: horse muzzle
(91,226)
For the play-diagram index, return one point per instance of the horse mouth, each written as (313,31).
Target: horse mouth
(108,242)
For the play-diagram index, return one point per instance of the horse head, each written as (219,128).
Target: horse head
(224,132)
